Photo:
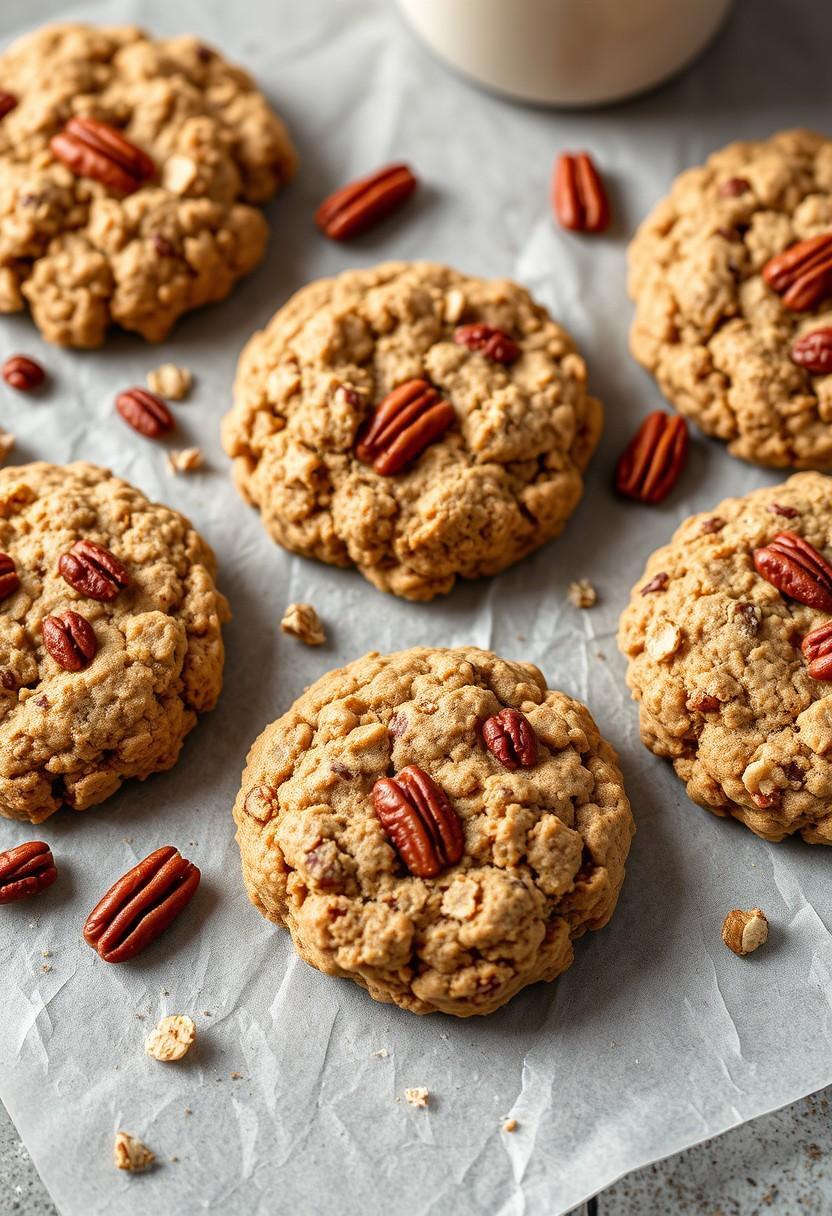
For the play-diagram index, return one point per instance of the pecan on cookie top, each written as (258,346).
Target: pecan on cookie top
(414,422)
(440,863)
(732,279)
(727,639)
(110,643)
(132,173)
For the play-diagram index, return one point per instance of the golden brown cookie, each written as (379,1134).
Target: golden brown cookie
(92,233)
(715,659)
(717,337)
(110,639)
(499,476)
(522,857)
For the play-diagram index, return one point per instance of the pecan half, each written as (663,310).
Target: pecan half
(9,578)
(817,647)
(408,420)
(652,462)
(145,412)
(93,570)
(494,343)
(579,197)
(802,274)
(356,207)
(91,148)
(419,820)
(26,870)
(794,567)
(23,373)
(70,639)
(8,102)
(139,907)
(508,735)
(814,351)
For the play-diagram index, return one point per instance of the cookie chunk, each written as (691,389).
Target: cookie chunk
(490,465)
(85,246)
(715,661)
(458,905)
(131,654)
(717,338)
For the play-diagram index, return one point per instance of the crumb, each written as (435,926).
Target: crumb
(303,623)
(174,1159)
(185,460)
(417,1095)
(170,381)
(128,839)
(582,593)
(206,1013)
(140,1016)
(45,954)
(743,931)
(45,967)
(510,1125)
(236,1076)
(188,1110)
(130,1154)
(382,1053)
(164,992)
(172,1038)
(6,443)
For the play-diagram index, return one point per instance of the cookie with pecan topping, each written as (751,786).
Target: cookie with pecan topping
(110,642)
(132,171)
(726,657)
(414,422)
(376,823)
(732,279)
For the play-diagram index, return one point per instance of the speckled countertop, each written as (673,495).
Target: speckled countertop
(778,1164)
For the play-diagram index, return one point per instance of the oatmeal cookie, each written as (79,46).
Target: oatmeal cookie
(85,255)
(542,843)
(501,476)
(87,705)
(717,338)
(715,662)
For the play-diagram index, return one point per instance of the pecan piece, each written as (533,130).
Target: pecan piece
(419,820)
(794,567)
(494,343)
(814,351)
(356,207)
(23,373)
(408,420)
(91,148)
(139,907)
(508,735)
(8,102)
(652,462)
(26,870)
(9,578)
(733,187)
(70,639)
(657,583)
(802,274)
(145,412)
(787,512)
(579,197)
(93,570)
(817,647)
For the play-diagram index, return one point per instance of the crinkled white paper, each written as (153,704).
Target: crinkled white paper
(657,1037)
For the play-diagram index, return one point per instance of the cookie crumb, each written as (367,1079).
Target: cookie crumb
(174,1159)
(172,1038)
(417,1095)
(185,460)
(303,623)
(45,967)
(236,1076)
(6,443)
(46,953)
(582,593)
(744,931)
(382,1053)
(510,1125)
(130,1154)
(188,1110)
(170,381)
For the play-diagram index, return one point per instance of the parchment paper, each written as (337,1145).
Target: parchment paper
(657,1037)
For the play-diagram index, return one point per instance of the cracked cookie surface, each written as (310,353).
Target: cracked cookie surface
(707,326)
(545,846)
(500,482)
(84,257)
(715,662)
(73,737)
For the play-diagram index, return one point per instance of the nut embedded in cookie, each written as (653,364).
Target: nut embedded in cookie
(457,882)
